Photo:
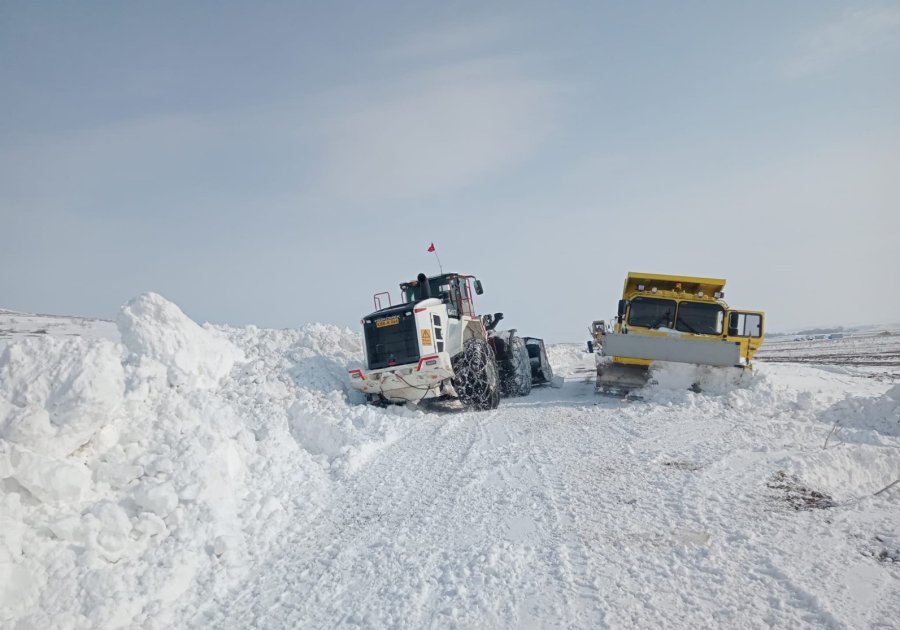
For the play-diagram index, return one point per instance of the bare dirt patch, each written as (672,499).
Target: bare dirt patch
(798,496)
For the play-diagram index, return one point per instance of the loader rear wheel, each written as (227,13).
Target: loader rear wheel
(477,379)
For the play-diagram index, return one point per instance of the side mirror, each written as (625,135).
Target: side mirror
(478,288)
(623,304)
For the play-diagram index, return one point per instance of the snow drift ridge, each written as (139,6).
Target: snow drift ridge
(135,473)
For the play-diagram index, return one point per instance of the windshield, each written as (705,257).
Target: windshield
(652,313)
(699,318)
(448,288)
(411,294)
(414,291)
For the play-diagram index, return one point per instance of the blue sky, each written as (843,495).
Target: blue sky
(277,163)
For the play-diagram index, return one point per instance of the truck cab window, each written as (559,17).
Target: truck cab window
(700,318)
(652,313)
(744,324)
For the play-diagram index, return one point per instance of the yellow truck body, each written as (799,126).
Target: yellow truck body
(681,319)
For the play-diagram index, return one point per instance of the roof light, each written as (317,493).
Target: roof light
(653,290)
(718,294)
(699,293)
(640,287)
(678,286)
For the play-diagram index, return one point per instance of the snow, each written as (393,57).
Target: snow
(158,473)
(880,414)
(154,329)
(15,326)
(874,353)
(56,393)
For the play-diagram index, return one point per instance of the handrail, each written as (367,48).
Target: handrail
(377,299)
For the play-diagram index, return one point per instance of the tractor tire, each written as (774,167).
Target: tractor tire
(519,381)
(477,379)
(495,399)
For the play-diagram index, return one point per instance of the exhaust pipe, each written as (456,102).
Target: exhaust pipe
(426,286)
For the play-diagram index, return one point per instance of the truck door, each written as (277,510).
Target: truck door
(747,327)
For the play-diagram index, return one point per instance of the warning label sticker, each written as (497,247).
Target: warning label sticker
(426,337)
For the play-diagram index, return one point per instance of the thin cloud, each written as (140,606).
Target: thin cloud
(438,131)
(459,39)
(853,35)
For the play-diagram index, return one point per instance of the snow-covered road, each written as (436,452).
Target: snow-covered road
(566,510)
(155,473)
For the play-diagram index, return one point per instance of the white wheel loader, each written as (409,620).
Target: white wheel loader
(432,346)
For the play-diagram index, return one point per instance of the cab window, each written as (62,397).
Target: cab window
(464,298)
(744,324)
(652,312)
(449,295)
(700,319)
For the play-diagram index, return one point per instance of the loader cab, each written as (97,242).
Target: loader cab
(453,289)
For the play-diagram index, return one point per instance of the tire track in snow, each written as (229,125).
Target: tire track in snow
(569,579)
(402,502)
(564,552)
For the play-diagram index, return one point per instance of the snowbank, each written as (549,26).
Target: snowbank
(860,458)
(767,390)
(844,471)
(878,413)
(55,394)
(153,328)
(137,477)
(568,359)
(680,377)
(344,439)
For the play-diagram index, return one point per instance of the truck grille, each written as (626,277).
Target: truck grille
(395,344)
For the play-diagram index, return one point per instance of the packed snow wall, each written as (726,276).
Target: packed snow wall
(139,474)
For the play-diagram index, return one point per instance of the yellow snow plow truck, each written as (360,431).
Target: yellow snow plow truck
(681,319)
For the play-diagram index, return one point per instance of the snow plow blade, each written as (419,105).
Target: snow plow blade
(718,352)
(619,379)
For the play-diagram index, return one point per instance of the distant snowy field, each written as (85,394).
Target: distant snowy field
(158,473)
(877,354)
(16,326)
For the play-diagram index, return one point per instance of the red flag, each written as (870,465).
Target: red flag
(431,247)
